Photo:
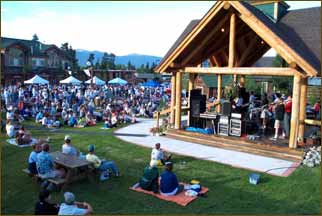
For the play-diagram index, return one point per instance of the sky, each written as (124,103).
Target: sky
(121,27)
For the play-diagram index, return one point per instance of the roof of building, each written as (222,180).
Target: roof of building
(35,47)
(298,29)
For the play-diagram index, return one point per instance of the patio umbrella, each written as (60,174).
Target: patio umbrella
(36,80)
(96,81)
(70,80)
(117,81)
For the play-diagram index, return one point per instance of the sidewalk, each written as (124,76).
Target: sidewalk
(139,134)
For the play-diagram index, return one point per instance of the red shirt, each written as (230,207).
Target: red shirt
(288,107)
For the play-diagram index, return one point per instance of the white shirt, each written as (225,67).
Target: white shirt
(157,154)
(10,130)
(65,209)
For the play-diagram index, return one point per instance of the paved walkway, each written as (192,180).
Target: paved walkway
(139,134)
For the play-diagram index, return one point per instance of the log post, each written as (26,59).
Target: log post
(177,123)
(302,107)
(231,58)
(190,87)
(219,91)
(158,119)
(295,111)
(173,98)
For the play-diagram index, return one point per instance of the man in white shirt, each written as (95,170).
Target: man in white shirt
(158,154)
(72,207)
(68,148)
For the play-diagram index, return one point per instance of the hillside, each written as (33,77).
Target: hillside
(135,59)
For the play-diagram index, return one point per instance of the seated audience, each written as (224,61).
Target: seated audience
(10,128)
(169,185)
(23,137)
(72,207)
(46,166)
(159,155)
(44,206)
(101,165)
(39,117)
(149,180)
(32,160)
(68,148)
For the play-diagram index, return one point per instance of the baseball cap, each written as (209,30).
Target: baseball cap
(67,137)
(91,148)
(69,197)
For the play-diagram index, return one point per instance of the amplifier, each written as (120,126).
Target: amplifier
(235,127)
(223,126)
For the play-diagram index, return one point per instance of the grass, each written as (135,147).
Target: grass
(230,192)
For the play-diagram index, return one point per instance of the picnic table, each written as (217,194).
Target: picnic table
(77,168)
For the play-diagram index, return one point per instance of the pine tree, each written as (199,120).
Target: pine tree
(35,37)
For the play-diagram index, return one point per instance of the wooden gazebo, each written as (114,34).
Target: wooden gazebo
(233,35)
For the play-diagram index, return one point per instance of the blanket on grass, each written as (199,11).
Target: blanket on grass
(13,142)
(180,199)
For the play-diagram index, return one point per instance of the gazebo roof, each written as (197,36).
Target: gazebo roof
(204,39)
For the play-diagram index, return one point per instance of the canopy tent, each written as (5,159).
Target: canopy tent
(70,80)
(96,81)
(36,80)
(117,81)
(151,83)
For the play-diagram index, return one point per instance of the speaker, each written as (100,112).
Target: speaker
(203,104)
(195,107)
(226,108)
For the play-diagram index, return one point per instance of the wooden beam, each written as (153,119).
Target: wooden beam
(187,40)
(219,89)
(312,122)
(262,71)
(295,112)
(302,107)
(177,123)
(206,39)
(250,48)
(232,29)
(190,87)
(226,5)
(272,39)
(173,98)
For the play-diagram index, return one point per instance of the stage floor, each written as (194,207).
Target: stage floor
(138,134)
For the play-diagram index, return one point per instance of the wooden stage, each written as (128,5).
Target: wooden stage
(259,147)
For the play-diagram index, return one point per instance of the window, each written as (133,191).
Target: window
(16,57)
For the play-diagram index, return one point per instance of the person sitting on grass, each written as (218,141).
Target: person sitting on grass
(32,160)
(72,207)
(159,155)
(10,128)
(101,165)
(68,148)
(149,180)
(44,206)
(39,117)
(169,185)
(46,166)
(72,121)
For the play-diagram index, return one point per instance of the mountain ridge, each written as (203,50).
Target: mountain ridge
(135,58)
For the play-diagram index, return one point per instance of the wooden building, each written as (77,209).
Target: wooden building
(233,35)
(22,59)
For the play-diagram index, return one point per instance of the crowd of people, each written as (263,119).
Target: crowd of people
(80,106)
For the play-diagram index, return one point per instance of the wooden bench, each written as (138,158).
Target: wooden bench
(56,181)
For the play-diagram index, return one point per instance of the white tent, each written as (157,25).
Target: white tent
(70,80)
(36,80)
(118,81)
(96,81)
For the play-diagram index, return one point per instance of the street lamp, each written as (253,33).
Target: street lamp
(89,64)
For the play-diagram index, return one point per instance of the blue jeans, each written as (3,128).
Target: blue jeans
(105,165)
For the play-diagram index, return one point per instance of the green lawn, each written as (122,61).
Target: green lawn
(229,190)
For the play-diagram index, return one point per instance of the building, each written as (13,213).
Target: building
(233,36)
(22,59)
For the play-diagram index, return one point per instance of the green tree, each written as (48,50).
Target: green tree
(97,64)
(130,66)
(91,58)
(35,37)
(283,84)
